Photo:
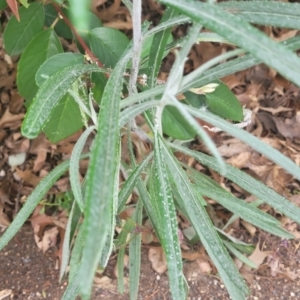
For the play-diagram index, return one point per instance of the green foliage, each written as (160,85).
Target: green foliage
(44,45)
(60,88)
(17,35)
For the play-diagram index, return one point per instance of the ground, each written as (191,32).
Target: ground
(29,270)
(27,273)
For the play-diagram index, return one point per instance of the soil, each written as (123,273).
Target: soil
(27,273)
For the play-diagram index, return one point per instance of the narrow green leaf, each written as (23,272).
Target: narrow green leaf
(272,13)
(205,229)
(231,67)
(40,48)
(131,112)
(76,254)
(48,96)
(131,182)
(249,213)
(146,48)
(55,64)
(208,76)
(121,242)
(32,201)
(239,32)
(74,166)
(66,244)
(109,241)
(72,290)
(17,35)
(135,254)
(234,217)
(239,255)
(108,44)
(165,219)
(248,183)
(159,43)
(248,138)
(103,164)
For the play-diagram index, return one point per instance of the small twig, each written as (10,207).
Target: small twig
(78,37)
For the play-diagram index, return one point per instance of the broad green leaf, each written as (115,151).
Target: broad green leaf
(74,166)
(32,201)
(57,63)
(65,119)
(98,84)
(175,125)
(108,45)
(204,228)
(135,254)
(61,28)
(248,183)
(103,164)
(239,32)
(272,13)
(49,95)
(249,139)
(41,47)
(3,4)
(165,218)
(224,103)
(17,35)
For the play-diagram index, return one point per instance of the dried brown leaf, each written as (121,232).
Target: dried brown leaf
(10,120)
(289,128)
(4,221)
(28,177)
(49,239)
(158,260)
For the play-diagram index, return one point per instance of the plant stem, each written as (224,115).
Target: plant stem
(78,37)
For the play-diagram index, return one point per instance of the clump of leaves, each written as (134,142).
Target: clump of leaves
(60,102)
